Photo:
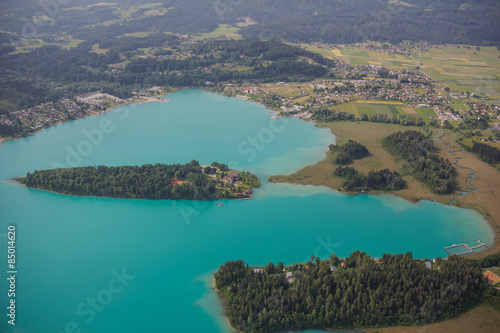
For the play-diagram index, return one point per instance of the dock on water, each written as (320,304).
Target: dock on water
(470,249)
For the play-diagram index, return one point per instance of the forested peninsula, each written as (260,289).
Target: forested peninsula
(424,164)
(357,291)
(189,181)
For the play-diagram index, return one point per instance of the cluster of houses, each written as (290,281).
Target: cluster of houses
(481,109)
(95,98)
(446,114)
(289,275)
(233,178)
(47,114)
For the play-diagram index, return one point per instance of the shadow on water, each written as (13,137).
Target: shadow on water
(470,189)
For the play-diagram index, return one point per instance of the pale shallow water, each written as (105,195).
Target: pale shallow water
(69,249)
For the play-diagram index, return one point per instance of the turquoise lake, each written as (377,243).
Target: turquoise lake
(149,263)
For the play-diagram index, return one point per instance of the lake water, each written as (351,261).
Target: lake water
(113,265)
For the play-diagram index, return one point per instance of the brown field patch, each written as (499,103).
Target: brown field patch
(368,134)
(409,110)
(482,319)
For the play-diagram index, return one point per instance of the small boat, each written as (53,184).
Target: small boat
(220,204)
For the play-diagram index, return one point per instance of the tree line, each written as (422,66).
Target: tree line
(424,164)
(382,180)
(328,115)
(349,151)
(354,292)
(486,152)
(137,182)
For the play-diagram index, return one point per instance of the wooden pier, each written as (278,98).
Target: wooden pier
(470,249)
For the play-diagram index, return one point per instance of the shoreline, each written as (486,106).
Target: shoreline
(153,99)
(221,299)
(273,113)
(18,183)
(135,102)
(491,221)
(230,327)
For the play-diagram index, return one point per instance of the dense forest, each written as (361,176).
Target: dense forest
(349,151)
(436,172)
(327,115)
(449,21)
(486,153)
(382,180)
(331,21)
(355,292)
(49,73)
(159,181)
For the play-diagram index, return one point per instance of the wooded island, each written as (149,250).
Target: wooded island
(189,181)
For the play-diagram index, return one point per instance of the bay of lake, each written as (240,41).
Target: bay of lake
(115,265)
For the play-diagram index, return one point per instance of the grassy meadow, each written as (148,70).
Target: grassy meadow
(223,30)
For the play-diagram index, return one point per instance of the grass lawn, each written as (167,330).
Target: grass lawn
(390,109)
(358,60)
(96,49)
(468,142)
(352,51)
(222,30)
(351,107)
(155,12)
(324,52)
(138,34)
(71,43)
(425,113)
(287,91)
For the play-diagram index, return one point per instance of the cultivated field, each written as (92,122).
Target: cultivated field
(461,68)
(222,30)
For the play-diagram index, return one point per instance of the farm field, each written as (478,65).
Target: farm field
(459,67)
(351,107)
(384,107)
(222,30)
(356,108)
(98,50)
(289,90)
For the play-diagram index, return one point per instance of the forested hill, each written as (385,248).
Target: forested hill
(160,181)
(354,292)
(349,21)
(335,21)
(49,73)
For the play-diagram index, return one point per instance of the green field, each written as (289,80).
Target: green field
(96,49)
(460,68)
(425,113)
(387,109)
(222,30)
(323,51)
(288,91)
(351,107)
(70,43)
